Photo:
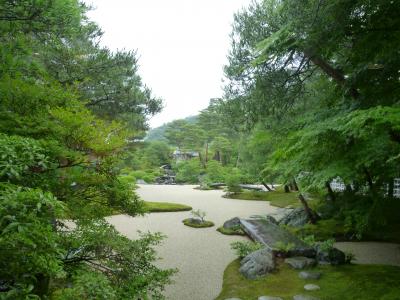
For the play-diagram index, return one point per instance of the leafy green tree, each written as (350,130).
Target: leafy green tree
(59,158)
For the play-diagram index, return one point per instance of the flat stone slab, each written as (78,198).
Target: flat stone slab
(310,275)
(269,298)
(269,234)
(300,262)
(304,297)
(311,287)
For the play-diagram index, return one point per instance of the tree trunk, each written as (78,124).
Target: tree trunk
(266,186)
(331,193)
(294,185)
(391,188)
(206,158)
(286,188)
(42,285)
(335,74)
(310,213)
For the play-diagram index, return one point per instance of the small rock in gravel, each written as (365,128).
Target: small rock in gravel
(269,298)
(304,297)
(311,287)
(300,262)
(310,275)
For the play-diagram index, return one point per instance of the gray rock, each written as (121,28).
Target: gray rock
(269,298)
(257,263)
(304,297)
(271,219)
(194,221)
(141,181)
(333,256)
(232,223)
(233,299)
(269,234)
(310,275)
(311,287)
(296,218)
(300,262)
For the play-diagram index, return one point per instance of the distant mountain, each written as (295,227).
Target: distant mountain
(157,134)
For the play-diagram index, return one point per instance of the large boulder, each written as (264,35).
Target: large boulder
(296,218)
(300,262)
(257,264)
(232,223)
(269,234)
(332,256)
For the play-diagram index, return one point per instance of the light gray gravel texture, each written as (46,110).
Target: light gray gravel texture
(201,255)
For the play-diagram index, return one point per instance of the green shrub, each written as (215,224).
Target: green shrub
(232,180)
(215,172)
(243,249)
(188,171)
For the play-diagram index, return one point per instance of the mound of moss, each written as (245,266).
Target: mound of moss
(195,224)
(231,231)
(367,282)
(276,198)
(165,207)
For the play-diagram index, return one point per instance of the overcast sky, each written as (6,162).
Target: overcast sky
(182,46)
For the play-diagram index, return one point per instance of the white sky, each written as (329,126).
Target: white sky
(182,46)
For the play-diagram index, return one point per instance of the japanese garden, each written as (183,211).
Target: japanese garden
(285,186)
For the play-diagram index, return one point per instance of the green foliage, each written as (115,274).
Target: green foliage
(232,180)
(28,218)
(197,213)
(235,230)
(68,109)
(243,249)
(215,172)
(283,247)
(188,171)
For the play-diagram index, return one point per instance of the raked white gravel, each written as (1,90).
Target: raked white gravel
(201,255)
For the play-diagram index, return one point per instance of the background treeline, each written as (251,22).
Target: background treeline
(68,109)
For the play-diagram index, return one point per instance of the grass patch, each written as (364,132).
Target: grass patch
(165,207)
(350,282)
(200,225)
(276,198)
(236,231)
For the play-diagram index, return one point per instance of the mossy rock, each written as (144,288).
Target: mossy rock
(195,224)
(228,231)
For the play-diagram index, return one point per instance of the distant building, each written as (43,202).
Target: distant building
(179,155)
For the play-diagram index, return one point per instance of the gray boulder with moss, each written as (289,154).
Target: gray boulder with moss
(257,264)
(232,223)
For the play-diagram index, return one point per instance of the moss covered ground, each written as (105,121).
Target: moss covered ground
(347,282)
(276,198)
(165,207)
(235,231)
(200,225)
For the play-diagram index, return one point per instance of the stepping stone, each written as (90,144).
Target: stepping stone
(310,275)
(269,298)
(304,297)
(300,262)
(311,287)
